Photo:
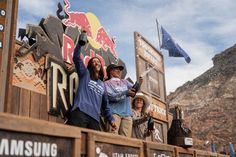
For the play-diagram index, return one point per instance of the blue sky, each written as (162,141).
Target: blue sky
(202,28)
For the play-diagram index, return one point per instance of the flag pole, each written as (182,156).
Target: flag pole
(158,34)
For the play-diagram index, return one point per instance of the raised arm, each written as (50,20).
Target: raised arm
(79,64)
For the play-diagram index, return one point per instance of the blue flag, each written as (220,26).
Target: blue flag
(174,49)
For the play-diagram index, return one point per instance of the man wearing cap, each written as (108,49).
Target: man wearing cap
(118,91)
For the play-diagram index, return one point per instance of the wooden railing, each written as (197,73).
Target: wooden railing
(22,136)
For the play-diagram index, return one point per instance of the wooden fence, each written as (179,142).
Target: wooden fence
(22,136)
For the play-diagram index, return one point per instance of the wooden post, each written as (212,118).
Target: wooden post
(8,18)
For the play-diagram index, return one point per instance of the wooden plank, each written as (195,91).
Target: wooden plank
(52,118)
(77,147)
(12,53)
(60,120)
(14,109)
(116,139)
(43,113)
(90,145)
(2,51)
(49,145)
(7,55)
(201,153)
(35,102)
(11,122)
(83,143)
(182,152)
(24,109)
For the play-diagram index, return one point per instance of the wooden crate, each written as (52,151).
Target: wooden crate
(21,136)
(100,143)
(158,150)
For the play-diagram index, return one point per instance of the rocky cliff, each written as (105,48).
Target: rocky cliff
(209,102)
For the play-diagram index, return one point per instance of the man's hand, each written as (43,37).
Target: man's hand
(131,92)
(113,126)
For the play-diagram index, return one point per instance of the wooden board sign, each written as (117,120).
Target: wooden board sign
(150,65)
(114,150)
(107,145)
(159,108)
(159,150)
(21,136)
(25,144)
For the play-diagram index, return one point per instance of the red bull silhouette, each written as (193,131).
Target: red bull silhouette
(77,19)
(106,41)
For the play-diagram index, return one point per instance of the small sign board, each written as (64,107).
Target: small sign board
(159,150)
(106,145)
(105,149)
(25,144)
(150,66)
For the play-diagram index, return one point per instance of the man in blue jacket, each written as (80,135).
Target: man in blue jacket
(91,96)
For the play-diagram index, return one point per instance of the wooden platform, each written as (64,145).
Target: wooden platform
(23,136)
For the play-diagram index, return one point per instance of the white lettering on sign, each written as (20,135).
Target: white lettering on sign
(57,69)
(131,155)
(27,148)
(149,52)
(124,155)
(68,48)
(73,86)
(117,155)
(102,154)
(63,85)
(160,155)
(157,109)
